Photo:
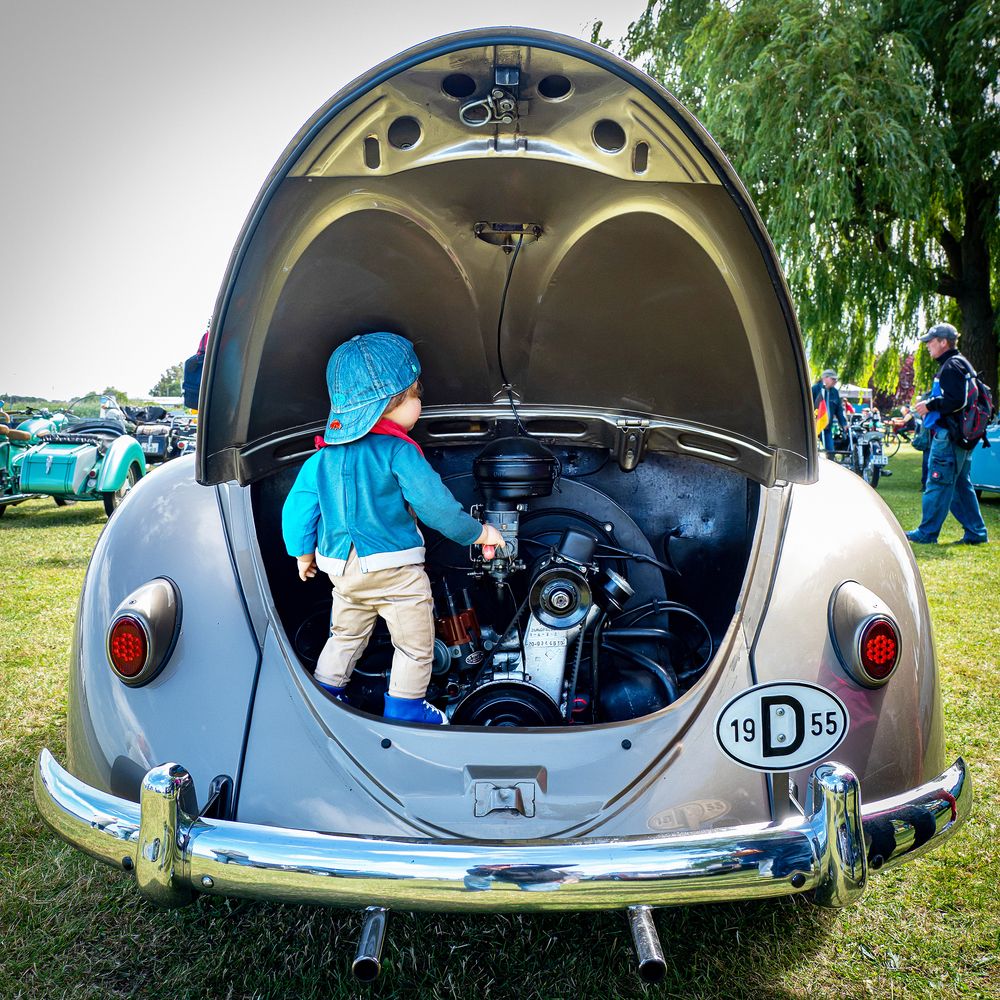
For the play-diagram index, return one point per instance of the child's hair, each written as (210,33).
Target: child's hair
(413,390)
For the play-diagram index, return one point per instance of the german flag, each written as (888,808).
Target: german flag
(822,417)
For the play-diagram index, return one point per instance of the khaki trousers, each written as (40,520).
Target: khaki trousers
(402,596)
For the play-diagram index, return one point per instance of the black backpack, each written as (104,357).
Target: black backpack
(971,421)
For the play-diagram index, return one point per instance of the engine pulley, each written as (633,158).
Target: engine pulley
(507,704)
(560,596)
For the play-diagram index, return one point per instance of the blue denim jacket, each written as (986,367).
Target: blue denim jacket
(357,494)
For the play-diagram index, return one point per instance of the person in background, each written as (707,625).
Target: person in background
(905,425)
(828,407)
(11,433)
(948,486)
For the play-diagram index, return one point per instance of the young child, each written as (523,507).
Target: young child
(347,515)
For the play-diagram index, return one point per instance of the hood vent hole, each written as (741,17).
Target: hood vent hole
(554,88)
(404,133)
(459,86)
(609,136)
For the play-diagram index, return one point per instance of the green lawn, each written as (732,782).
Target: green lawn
(72,928)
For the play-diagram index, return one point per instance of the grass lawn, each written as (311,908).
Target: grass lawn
(71,928)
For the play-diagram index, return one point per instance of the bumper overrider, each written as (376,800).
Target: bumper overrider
(827,851)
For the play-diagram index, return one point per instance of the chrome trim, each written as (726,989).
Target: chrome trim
(166,803)
(821,851)
(842,839)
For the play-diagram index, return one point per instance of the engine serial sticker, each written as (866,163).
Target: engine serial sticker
(781,726)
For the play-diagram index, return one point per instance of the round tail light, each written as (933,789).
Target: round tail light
(865,635)
(878,648)
(143,631)
(128,646)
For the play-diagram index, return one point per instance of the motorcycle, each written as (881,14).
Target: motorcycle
(21,430)
(859,447)
(163,435)
(81,458)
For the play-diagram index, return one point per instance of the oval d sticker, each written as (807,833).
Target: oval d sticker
(781,726)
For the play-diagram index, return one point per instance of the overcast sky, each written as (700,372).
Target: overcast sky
(135,138)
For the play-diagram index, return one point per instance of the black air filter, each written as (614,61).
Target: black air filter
(513,469)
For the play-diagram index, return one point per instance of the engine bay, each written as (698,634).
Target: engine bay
(605,603)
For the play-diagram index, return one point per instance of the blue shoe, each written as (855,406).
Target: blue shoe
(972,540)
(918,539)
(414,710)
(338,693)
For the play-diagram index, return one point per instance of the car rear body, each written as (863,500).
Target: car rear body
(649,328)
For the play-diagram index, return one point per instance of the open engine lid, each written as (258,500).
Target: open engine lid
(646,292)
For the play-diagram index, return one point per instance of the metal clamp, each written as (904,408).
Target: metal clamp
(499,107)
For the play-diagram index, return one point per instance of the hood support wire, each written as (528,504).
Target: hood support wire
(507,386)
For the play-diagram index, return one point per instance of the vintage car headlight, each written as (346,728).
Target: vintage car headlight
(143,631)
(865,634)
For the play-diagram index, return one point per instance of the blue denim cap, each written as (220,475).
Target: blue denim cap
(362,375)
(942,331)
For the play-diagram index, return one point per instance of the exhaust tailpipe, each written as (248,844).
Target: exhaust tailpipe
(368,960)
(652,966)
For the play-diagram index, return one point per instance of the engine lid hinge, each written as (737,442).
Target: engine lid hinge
(631,444)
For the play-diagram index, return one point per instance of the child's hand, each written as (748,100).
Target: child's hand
(307,566)
(489,539)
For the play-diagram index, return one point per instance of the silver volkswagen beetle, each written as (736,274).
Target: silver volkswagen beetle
(702,666)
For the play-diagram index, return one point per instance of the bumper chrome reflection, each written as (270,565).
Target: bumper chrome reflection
(828,851)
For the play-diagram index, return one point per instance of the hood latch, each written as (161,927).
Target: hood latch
(631,444)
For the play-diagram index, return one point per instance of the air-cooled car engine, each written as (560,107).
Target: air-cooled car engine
(549,631)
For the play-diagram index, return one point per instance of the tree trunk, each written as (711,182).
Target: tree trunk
(979,336)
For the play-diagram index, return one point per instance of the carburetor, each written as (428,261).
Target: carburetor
(508,472)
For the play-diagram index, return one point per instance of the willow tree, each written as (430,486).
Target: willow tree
(869,135)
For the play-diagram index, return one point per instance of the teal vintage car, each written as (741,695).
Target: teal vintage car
(70,458)
(985,473)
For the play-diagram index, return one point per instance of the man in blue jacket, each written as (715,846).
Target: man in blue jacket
(948,485)
(826,389)
(352,512)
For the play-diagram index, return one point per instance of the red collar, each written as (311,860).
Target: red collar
(382,426)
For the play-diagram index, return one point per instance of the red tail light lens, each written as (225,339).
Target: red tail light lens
(879,648)
(128,646)
(143,631)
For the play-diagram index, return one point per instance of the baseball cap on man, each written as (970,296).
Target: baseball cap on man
(362,375)
(943,331)
(829,373)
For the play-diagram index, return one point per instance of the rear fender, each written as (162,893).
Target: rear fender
(122,453)
(840,529)
(196,707)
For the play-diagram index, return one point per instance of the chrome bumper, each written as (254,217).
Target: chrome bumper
(828,851)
